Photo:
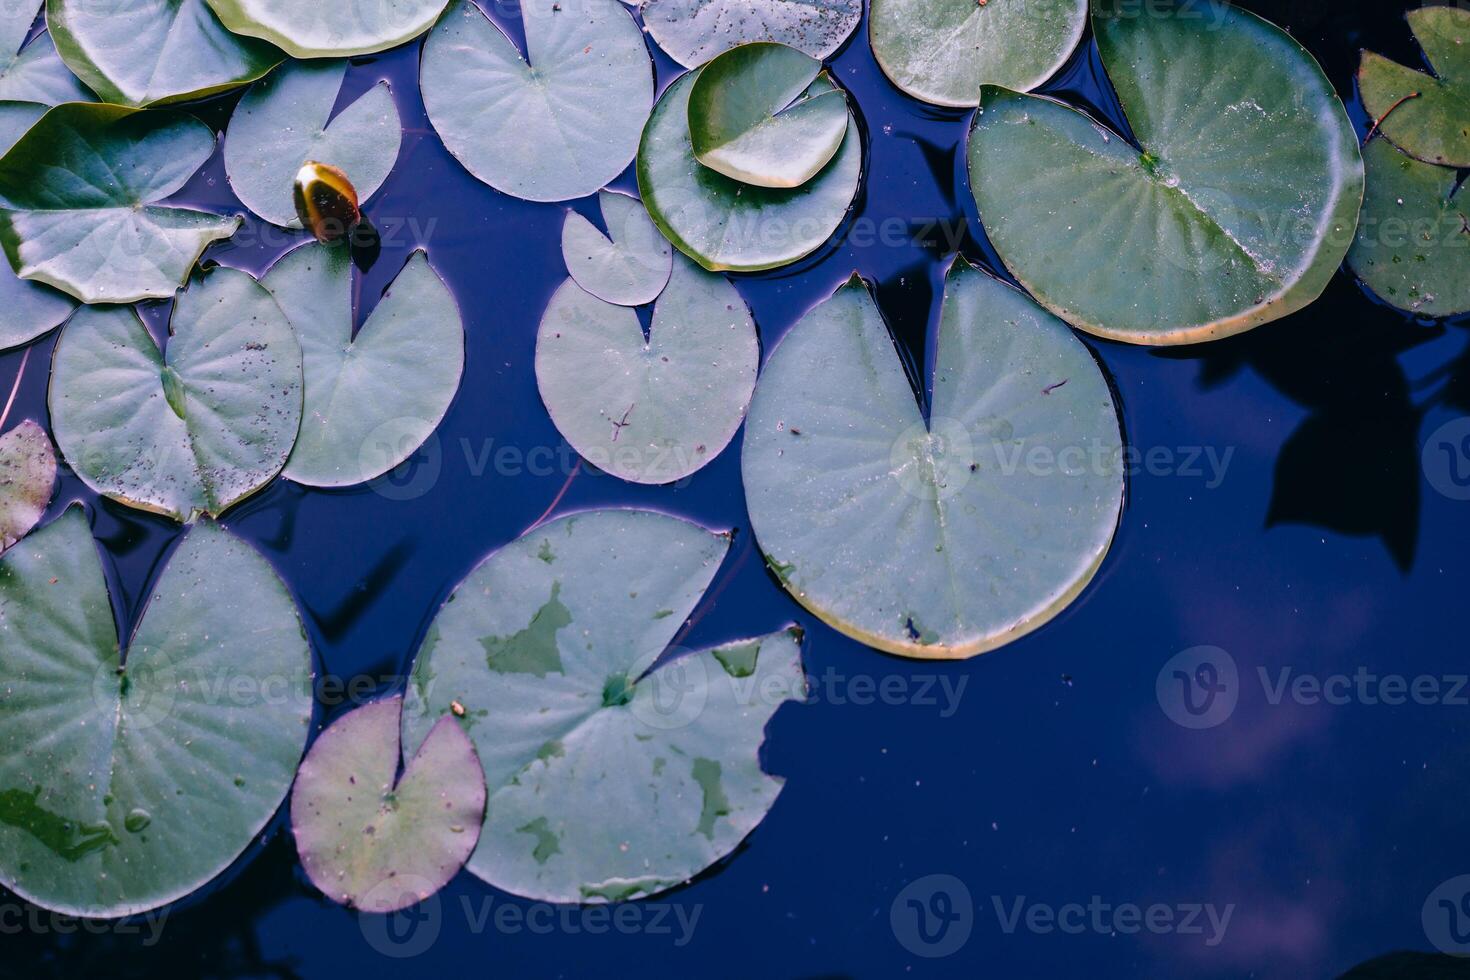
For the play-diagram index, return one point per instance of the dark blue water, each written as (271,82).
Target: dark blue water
(1280,512)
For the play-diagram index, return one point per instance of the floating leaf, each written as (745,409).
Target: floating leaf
(79,192)
(371,401)
(33,72)
(146,52)
(726,225)
(122,790)
(942,51)
(656,409)
(31,309)
(282,123)
(948,538)
(375,841)
(558,128)
(339,29)
(758,114)
(630,265)
(694,31)
(27,480)
(1237,211)
(1426,116)
(190,430)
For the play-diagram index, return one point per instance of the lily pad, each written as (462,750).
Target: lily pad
(947,537)
(79,193)
(942,51)
(608,781)
(694,31)
(649,410)
(558,128)
(1427,116)
(372,400)
(630,265)
(33,72)
(727,225)
(285,120)
(757,114)
(190,430)
(128,784)
(27,480)
(1237,210)
(31,309)
(1413,246)
(151,52)
(371,839)
(340,29)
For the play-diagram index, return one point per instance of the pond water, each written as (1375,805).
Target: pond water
(1279,511)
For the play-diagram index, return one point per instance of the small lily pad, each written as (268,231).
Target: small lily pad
(283,122)
(630,265)
(945,537)
(727,225)
(33,72)
(31,309)
(1427,116)
(339,29)
(27,480)
(657,409)
(694,31)
(557,128)
(190,430)
(758,115)
(371,839)
(611,776)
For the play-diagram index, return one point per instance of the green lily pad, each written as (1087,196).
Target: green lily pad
(340,29)
(1433,125)
(1413,246)
(943,51)
(31,309)
(726,225)
(125,788)
(1237,211)
(558,128)
(27,480)
(190,430)
(630,265)
(944,538)
(372,400)
(757,114)
(33,72)
(649,410)
(608,781)
(283,122)
(79,193)
(151,52)
(694,31)
(371,839)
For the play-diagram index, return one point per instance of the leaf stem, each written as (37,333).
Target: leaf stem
(15,388)
(558,498)
(1391,110)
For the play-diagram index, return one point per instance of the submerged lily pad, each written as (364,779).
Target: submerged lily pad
(33,72)
(375,841)
(630,265)
(758,114)
(282,123)
(947,538)
(1426,116)
(190,430)
(147,52)
(558,128)
(727,225)
(125,788)
(27,480)
(656,409)
(372,400)
(1413,246)
(1237,210)
(694,31)
(943,51)
(608,781)
(79,193)
(338,29)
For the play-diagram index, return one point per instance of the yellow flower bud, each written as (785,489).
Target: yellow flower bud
(326,202)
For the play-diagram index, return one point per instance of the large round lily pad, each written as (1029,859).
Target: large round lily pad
(947,538)
(630,265)
(607,781)
(655,409)
(124,788)
(189,430)
(726,225)
(559,127)
(27,480)
(1427,116)
(78,193)
(335,29)
(33,72)
(1237,211)
(371,400)
(694,31)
